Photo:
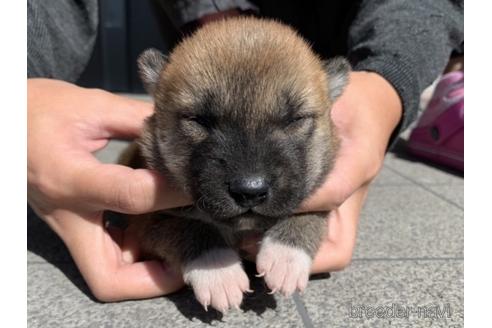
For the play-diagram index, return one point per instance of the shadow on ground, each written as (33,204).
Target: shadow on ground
(400,150)
(43,242)
(259,301)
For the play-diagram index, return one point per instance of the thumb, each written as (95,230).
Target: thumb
(349,173)
(126,190)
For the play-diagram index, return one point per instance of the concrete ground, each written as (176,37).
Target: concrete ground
(407,269)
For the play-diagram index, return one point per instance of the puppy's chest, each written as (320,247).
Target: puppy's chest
(233,229)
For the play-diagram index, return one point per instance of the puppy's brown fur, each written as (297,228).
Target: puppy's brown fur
(276,59)
(240,100)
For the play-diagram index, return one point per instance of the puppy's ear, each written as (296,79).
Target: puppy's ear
(150,64)
(338,70)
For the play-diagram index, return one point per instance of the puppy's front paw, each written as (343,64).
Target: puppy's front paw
(218,279)
(285,268)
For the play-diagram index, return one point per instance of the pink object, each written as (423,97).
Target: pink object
(439,134)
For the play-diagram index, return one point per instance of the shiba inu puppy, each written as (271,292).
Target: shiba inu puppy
(242,123)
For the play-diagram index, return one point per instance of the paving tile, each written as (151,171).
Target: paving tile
(388,177)
(454,193)
(138,96)
(422,172)
(112,151)
(409,222)
(414,287)
(57,297)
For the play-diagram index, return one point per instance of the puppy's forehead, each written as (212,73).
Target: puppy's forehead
(256,105)
(247,68)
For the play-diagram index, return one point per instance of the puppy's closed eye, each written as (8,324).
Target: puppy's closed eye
(298,124)
(204,121)
(299,119)
(196,127)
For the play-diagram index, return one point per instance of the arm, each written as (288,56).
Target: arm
(408,43)
(397,48)
(60,37)
(69,188)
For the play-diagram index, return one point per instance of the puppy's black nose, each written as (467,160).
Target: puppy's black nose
(249,191)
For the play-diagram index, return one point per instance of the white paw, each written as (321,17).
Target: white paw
(285,268)
(218,279)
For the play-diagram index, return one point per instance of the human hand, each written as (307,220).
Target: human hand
(69,188)
(365,116)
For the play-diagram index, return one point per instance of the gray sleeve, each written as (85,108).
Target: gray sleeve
(182,12)
(407,42)
(60,37)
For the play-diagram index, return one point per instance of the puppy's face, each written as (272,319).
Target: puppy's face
(242,117)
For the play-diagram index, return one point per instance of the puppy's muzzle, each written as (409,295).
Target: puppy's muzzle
(249,191)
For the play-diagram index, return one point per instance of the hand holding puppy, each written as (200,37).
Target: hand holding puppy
(69,189)
(365,115)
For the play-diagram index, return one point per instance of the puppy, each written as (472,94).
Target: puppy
(241,123)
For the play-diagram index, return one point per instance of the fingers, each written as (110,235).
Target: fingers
(130,244)
(115,115)
(136,281)
(100,262)
(337,248)
(124,117)
(126,190)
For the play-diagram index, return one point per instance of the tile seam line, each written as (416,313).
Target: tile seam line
(301,310)
(423,186)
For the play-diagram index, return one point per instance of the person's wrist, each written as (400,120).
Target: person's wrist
(394,107)
(382,98)
(371,96)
